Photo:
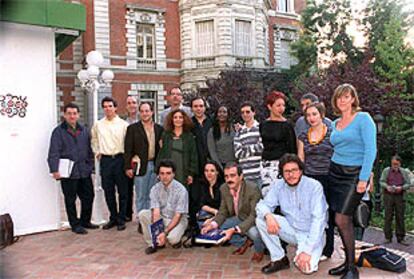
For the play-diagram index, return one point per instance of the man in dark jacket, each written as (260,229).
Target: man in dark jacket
(71,141)
(237,213)
(142,144)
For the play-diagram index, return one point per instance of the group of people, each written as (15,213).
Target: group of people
(281,183)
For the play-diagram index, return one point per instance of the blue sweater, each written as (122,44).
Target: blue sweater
(356,145)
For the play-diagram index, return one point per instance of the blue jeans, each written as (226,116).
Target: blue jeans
(143,185)
(238,240)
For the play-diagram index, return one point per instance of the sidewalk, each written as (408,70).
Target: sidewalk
(113,254)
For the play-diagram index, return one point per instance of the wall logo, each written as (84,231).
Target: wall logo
(13,105)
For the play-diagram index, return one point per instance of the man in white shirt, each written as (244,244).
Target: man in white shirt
(108,136)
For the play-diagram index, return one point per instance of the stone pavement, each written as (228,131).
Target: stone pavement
(113,254)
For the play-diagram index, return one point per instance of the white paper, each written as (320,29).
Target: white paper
(65,167)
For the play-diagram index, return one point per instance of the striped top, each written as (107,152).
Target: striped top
(317,156)
(248,150)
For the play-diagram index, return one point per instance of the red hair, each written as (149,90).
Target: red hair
(273,96)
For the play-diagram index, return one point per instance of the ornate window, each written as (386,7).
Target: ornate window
(243,36)
(145,41)
(284,6)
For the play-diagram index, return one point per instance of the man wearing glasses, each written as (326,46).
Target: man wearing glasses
(248,145)
(175,99)
(304,209)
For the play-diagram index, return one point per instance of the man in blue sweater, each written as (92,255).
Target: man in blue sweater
(71,141)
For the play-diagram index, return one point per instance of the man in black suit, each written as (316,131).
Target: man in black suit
(142,144)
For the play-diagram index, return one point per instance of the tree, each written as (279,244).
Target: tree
(239,84)
(324,37)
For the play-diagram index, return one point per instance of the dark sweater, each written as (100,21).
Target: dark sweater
(200,132)
(278,138)
(207,199)
(73,145)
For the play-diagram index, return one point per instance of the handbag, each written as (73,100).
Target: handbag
(6,231)
(361,215)
(381,258)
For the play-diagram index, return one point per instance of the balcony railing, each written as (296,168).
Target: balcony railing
(147,64)
(205,62)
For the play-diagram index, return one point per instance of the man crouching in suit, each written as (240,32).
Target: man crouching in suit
(237,214)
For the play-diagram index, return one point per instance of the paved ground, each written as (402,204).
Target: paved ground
(113,254)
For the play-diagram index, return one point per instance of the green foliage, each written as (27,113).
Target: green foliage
(323,37)
(393,58)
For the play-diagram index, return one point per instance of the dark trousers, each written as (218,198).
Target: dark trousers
(195,192)
(329,246)
(112,174)
(394,203)
(82,188)
(130,197)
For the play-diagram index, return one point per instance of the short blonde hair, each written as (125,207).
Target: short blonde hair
(342,90)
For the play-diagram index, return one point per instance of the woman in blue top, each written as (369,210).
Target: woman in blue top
(354,140)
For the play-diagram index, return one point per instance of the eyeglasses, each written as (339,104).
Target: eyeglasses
(291,171)
(246,112)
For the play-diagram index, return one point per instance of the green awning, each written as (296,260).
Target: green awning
(68,18)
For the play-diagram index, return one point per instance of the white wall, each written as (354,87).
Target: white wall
(27,68)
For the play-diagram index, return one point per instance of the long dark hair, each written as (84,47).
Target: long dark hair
(220,174)
(216,124)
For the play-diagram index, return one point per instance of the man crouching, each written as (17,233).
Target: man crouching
(169,201)
(304,219)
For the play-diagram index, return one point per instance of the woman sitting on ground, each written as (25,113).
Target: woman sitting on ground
(210,198)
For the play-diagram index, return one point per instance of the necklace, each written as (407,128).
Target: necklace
(320,139)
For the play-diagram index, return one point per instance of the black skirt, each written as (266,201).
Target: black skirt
(342,195)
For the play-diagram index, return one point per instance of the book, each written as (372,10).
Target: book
(155,229)
(212,237)
(65,167)
(136,164)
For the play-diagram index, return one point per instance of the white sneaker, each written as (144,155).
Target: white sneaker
(323,258)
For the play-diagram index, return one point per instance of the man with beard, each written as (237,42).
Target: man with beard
(304,219)
(142,144)
(237,213)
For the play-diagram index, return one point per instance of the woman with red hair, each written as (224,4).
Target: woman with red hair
(278,137)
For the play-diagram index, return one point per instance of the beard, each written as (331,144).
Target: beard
(295,184)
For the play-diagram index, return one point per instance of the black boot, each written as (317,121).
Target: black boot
(351,273)
(339,270)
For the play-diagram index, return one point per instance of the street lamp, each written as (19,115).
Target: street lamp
(379,122)
(91,79)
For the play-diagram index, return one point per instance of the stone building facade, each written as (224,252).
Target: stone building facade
(154,45)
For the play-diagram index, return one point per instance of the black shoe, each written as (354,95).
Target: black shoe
(150,250)
(139,229)
(90,226)
(121,227)
(339,270)
(79,230)
(128,219)
(351,273)
(276,266)
(109,225)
